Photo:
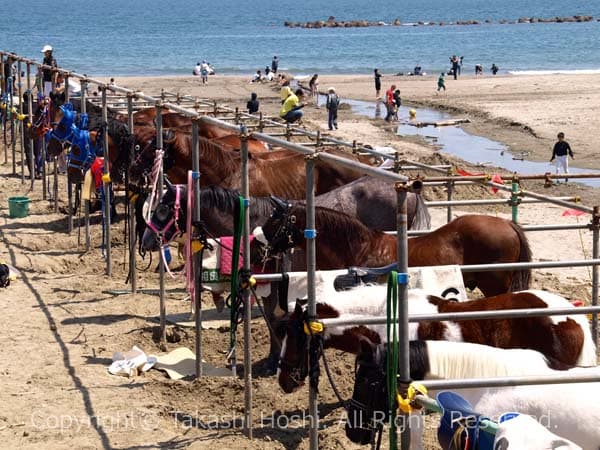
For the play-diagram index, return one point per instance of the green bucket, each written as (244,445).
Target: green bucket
(18,206)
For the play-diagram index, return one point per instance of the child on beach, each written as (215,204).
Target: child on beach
(397,104)
(377,84)
(253,104)
(441,83)
(333,102)
(561,151)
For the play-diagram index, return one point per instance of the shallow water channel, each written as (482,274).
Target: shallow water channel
(456,141)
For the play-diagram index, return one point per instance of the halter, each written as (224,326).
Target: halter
(284,237)
(160,209)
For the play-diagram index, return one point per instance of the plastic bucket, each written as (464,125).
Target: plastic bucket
(18,206)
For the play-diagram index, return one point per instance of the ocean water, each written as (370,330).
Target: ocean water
(157,37)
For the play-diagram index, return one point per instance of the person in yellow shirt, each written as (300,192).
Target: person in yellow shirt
(291,109)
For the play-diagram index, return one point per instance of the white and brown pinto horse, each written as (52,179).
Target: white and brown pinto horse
(569,410)
(565,341)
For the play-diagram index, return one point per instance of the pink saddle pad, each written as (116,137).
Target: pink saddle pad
(226,261)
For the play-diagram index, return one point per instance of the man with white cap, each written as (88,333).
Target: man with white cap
(49,77)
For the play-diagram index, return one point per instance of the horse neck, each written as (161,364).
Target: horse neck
(217,165)
(452,360)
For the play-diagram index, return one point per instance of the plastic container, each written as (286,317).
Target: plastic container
(18,206)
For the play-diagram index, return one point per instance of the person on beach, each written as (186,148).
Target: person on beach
(397,104)
(268,74)
(313,84)
(441,83)
(377,84)
(460,64)
(285,92)
(333,102)
(253,104)
(478,69)
(204,72)
(257,77)
(197,70)
(48,75)
(291,109)
(390,103)
(274,64)
(561,151)
(454,62)
(8,73)
(494,69)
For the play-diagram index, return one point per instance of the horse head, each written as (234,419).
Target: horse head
(293,360)
(168,219)
(281,230)
(146,145)
(368,408)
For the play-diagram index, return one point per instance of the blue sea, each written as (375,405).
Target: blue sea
(158,37)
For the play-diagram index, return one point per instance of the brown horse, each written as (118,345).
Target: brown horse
(343,241)
(284,177)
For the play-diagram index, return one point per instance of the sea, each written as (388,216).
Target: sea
(168,37)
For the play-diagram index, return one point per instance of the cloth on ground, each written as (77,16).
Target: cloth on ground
(131,363)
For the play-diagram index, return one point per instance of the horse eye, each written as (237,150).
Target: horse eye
(162,212)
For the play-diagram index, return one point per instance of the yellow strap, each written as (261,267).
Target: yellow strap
(414,389)
(106,178)
(197,246)
(315,327)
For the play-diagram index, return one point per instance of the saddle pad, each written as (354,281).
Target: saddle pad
(457,414)
(523,432)
(226,255)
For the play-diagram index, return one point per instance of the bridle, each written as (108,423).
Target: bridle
(299,371)
(373,426)
(162,213)
(286,235)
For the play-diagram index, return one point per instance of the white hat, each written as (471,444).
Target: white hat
(47,48)
(331,89)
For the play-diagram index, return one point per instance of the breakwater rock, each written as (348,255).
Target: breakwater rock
(331,22)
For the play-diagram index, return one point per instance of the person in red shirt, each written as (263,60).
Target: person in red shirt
(390,103)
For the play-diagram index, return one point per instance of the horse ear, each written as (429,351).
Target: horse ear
(298,308)
(279,204)
(366,349)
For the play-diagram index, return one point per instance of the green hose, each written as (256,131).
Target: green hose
(392,354)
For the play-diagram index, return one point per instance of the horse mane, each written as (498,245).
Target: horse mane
(336,223)
(454,360)
(215,153)
(225,199)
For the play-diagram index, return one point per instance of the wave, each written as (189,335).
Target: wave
(549,72)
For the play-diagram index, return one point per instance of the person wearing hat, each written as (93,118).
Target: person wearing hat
(290,111)
(49,76)
(333,101)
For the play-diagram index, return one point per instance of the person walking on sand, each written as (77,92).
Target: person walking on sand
(313,84)
(377,84)
(274,64)
(454,62)
(494,69)
(204,72)
(441,83)
(561,151)
(390,103)
(397,104)
(333,102)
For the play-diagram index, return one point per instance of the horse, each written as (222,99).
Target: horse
(573,411)
(223,168)
(566,341)
(343,241)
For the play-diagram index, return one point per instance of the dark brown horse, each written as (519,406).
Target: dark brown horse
(343,241)
(284,177)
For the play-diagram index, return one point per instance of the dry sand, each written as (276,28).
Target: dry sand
(60,325)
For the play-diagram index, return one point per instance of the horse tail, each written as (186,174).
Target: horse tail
(521,278)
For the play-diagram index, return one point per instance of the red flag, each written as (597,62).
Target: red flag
(572,212)
(496,178)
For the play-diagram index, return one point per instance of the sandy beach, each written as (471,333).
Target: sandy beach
(61,323)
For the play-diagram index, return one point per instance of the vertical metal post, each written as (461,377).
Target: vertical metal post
(198,255)
(30,115)
(403,347)
(161,263)
(449,189)
(55,183)
(106,184)
(4,90)
(246,294)
(69,184)
(88,239)
(311,266)
(20,122)
(595,255)
(131,218)
(514,200)
(67,88)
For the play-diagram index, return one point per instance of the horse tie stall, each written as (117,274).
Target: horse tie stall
(311,143)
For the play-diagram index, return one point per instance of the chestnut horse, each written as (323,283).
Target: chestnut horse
(284,177)
(343,241)
(566,341)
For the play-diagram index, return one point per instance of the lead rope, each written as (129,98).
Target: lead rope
(392,354)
